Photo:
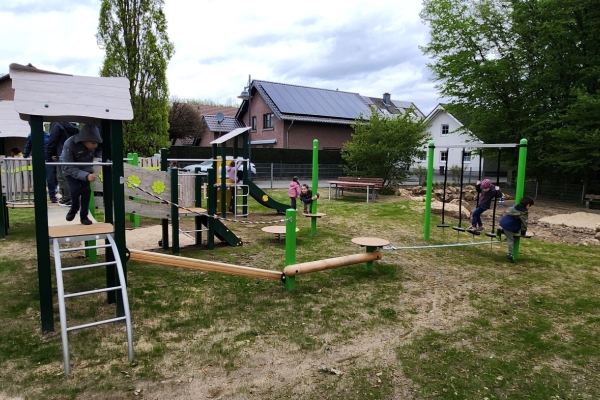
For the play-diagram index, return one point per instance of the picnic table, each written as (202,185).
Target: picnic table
(345,184)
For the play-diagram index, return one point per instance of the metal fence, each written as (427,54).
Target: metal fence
(282,171)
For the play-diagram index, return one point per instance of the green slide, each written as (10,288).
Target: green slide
(259,195)
(222,232)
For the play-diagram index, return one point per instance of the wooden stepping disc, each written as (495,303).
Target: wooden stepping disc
(370,241)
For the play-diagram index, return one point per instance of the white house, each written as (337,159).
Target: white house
(443,128)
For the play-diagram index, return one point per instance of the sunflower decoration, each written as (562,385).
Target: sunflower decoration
(133,180)
(101,176)
(158,187)
(265,198)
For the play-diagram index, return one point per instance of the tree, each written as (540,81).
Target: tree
(385,147)
(522,68)
(184,122)
(134,36)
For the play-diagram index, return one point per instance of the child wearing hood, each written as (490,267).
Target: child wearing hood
(487,192)
(80,148)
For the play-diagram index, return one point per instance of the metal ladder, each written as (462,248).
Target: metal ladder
(62,296)
(241,196)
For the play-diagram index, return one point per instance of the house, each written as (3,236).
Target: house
(444,131)
(6,90)
(13,131)
(290,116)
(211,128)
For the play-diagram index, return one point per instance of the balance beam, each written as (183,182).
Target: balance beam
(330,263)
(191,263)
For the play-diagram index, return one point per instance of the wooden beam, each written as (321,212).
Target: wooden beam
(330,263)
(191,263)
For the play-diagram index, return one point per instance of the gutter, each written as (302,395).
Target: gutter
(287,139)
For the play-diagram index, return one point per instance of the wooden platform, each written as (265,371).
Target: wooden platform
(277,230)
(370,241)
(317,215)
(59,227)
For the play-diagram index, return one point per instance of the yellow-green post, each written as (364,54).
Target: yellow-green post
(315,186)
(290,246)
(132,159)
(369,265)
(429,190)
(520,186)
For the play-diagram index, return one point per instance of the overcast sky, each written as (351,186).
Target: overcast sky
(368,47)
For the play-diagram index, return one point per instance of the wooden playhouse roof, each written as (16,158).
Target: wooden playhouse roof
(10,123)
(62,97)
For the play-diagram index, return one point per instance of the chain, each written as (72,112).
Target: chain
(198,213)
(433,246)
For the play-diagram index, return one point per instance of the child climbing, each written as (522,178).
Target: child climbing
(307,197)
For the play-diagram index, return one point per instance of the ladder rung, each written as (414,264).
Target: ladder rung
(100,246)
(106,321)
(66,296)
(90,266)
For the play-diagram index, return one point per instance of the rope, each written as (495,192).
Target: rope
(432,246)
(198,213)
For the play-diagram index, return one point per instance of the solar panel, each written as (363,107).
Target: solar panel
(316,102)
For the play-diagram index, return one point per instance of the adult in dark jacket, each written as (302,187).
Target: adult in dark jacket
(487,192)
(50,169)
(514,221)
(59,133)
(80,148)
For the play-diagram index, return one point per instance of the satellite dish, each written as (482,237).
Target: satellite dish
(220,117)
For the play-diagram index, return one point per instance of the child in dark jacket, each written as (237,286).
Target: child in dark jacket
(80,148)
(487,192)
(515,221)
(307,197)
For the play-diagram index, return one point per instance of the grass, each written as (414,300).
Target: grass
(428,324)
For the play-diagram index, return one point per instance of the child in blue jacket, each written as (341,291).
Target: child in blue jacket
(515,221)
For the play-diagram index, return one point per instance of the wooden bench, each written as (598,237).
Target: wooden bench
(353,182)
(590,198)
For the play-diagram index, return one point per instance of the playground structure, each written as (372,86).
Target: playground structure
(520,188)
(104,102)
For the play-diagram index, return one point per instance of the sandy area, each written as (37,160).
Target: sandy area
(147,238)
(577,220)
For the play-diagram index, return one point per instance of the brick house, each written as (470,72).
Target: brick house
(7,142)
(290,116)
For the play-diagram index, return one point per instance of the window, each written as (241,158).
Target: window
(443,155)
(467,156)
(445,129)
(253,123)
(268,121)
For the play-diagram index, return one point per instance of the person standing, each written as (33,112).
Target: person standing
(80,148)
(307,198)
(514,221)
(50,169)
(294,191)
(59,133)
(487,192)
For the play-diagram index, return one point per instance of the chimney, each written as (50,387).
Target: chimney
(387,99)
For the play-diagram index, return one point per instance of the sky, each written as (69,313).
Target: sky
(367,47)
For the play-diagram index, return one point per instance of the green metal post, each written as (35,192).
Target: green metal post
(92,254)
(315,186)
(290,246)
(164,222)
(429,190)
(174,209)
(41,222)
(107,188)
(520,187)
(198,203)
(369,265)
(132,159)
(212,199)
(223,180)
(119,204)
(246,155)
(3,209)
